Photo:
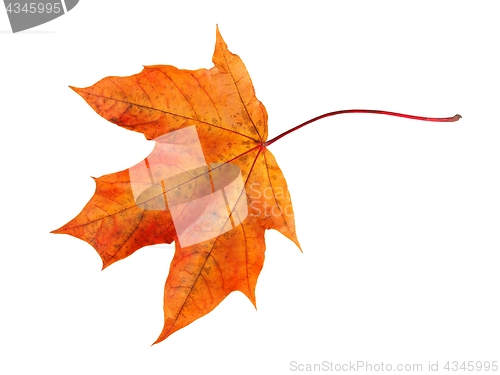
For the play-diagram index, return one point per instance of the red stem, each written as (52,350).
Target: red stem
(445,119)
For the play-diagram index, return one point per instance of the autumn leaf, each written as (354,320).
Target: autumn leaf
(130,209)
(210,184)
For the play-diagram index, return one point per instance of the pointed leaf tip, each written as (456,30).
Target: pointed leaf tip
(219,38)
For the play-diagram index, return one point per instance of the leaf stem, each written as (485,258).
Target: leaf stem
(445,119)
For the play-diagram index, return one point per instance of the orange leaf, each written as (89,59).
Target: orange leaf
(210,184)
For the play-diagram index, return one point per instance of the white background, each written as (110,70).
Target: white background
(399,220)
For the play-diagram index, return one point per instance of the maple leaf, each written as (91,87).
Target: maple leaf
(210,130)
(210,184)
